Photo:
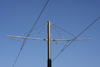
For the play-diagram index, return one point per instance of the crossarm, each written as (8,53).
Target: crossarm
(46,39)
(26,37)
(70,39)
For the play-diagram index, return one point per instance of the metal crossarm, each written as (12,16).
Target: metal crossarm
(70,39)
(25,37)
(45,39)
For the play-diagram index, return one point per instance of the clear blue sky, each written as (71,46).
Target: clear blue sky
(18,17)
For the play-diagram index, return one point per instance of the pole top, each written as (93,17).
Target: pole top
(48,21)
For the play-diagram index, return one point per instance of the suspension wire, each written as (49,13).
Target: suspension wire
(30,32)
(58,32)
(40,30)
(63,30)
(75,38)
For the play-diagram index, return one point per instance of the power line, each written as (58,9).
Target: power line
(75,38)
(30,32)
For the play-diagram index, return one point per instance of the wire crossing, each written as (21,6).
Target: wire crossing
(30,32)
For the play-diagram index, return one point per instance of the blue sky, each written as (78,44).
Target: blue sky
(18,17)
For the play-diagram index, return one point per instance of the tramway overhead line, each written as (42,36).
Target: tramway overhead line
(49,40)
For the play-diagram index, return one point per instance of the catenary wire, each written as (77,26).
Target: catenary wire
(75,38)
(30,32)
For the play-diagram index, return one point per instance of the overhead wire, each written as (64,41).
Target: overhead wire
(63,30)
(81,32)
(30,32)
(58,32)
(61,35)
(40,31)
(75,38)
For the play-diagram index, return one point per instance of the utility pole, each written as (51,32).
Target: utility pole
(49,61)
(49,44)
